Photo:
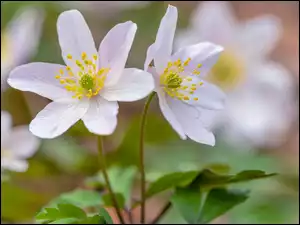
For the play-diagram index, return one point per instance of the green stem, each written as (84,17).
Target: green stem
(103,167)
(142,166)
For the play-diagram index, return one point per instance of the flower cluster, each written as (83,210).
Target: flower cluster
(93,81)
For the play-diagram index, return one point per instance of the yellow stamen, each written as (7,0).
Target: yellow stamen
(83,56)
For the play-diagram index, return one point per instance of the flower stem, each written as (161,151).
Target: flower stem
(162,213)
(103,167)
(142,167)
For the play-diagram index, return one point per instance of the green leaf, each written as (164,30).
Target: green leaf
(108,201)
(69,210)
(196,208)
(106,216)
(219,201)
(171,180)
(188,202)
(65,221)
(96,219)
(63,211)
(209,179)
(121,180)
(82,198)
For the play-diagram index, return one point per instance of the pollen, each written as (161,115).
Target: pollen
(86,82)
(83,56)
(177,84)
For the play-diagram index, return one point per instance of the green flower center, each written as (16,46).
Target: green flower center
(173,80)
(87,82)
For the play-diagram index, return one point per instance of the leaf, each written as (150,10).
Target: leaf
(218,167)
(188,202)
(96,219)
(108,201)
(106,216)
(219,201)
(209,179)
(69,210)
(63,211)
(171,180)
(65,221)
(82,198)
(121,180)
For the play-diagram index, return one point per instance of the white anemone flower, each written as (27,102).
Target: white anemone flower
(19,40)
(89,87)
(188,102)
(260,92)
(17,144)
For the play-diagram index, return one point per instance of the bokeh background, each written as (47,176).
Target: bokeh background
(62,164)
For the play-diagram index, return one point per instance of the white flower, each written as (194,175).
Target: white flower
(19,40)
(258,110)
(17,144)
(89,87)
(187,101)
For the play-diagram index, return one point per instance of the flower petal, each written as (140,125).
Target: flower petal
(6,124)
(74,37)
(26,144)
(114,49)
(169,115)
(20,39)
(194,121)
(151,51)
(101,117)
(14,164)
(259,36)
(39,78)
(57,117)
(214,21)
(162,48)
(208,95)
(133,85)
(204,53)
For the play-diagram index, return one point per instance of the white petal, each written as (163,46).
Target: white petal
(164,39)
(20,39)
(39,78)
(133,85)
(14,164)
(22,143)
(6,124)
(169,115)
(74,37)
(57,117)
(215,22)
(259,36)
(209,96)
(101,117)
(194,121)
(151,51)
(114,49)
(204,53)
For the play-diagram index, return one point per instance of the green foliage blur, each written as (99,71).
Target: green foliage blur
(63,164)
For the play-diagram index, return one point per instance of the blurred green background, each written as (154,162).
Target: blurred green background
(62,164)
